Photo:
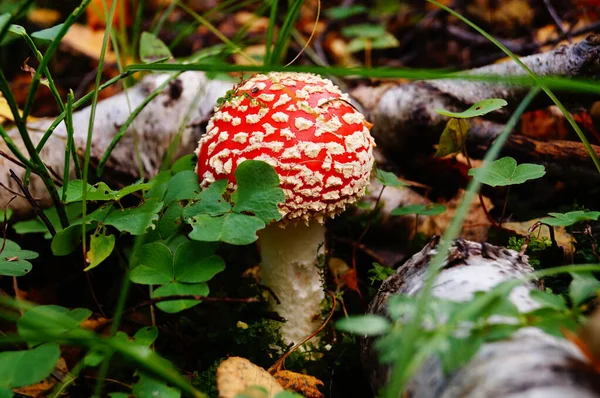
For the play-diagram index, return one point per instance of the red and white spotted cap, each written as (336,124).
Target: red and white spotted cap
(303,126)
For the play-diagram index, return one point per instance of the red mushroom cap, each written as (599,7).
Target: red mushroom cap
(303,126)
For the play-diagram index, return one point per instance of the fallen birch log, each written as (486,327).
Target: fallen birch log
(403,116)
(529,364)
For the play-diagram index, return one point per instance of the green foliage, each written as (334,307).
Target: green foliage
(37,226)
(152,49)
(345,12)
(368,36)
(47,35)
(379,273)
(150,387)
(534,248)
(371,325)
(420,210)
(570,218)
(388,179)
(504,172)
(583,286)
(22,368)
(478,109)
(100,191)
(36,324)
(101,246)
(453,138)
(4,218)
(13,259)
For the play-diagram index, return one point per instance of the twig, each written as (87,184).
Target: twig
(281,361)
(554,16)
(36,208)
(15,161)
(365,249)
(5,226)
(12,191)
(271,292)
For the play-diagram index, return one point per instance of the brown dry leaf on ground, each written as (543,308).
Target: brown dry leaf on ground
(82,39)
(38,389)
(304,384)
(236,374)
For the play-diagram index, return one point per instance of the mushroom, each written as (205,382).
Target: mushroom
(321,148)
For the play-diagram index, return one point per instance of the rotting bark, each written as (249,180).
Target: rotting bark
(404,118)
(529,364)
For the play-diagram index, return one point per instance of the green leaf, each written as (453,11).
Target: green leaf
(152,49)
(158,186)
(182,186)
(187,162)
(155,265)
(258,191)
(459,351)
(368,325)
(49,322)
(67,240)
(236,229)
(196,262)
(176,288)
(100,191)
(387,40)
(453,138)
(37,226)
(211,201)
(8,215)
(420,210)
(549,300)
(101,246)
(6,392)
(370,31)
(389,179)
(148,387)
(171,220)
(505,172)
(345,12)
(582,287)
(135,220)
(47,34)
(478,109)
(13,259)
(146,336)
(570,218)
(23,368)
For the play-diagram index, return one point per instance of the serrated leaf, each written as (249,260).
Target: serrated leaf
(211,201)
(582,287)
(478,109)
(13,259)
(182,186)
(421,210)
(453,138)
(155,265)
(49,322)
(47,34)
(367,325)
(258,191)
(236,229)
(196,262)
(101,246)
(505,172)
(23,368)
(570,218)
(549,300)
(152,49)
(135,220)
(176,288)
(389,179)
(100,191)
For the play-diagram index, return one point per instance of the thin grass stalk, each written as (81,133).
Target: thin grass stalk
(163,18)
(137,27)
(68,147)
(49,53)
(535,77)
(270,30)
(283,38)
(35,162)
(17,14)
(407,363)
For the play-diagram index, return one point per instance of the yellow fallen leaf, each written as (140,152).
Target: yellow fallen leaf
(236,375)
(88,42)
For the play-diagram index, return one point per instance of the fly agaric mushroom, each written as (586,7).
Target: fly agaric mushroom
(306,129)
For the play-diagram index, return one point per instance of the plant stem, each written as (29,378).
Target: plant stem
(504,207)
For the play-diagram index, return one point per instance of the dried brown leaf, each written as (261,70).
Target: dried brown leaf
(304,384)
(236,374)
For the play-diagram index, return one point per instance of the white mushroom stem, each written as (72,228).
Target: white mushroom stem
(290,267)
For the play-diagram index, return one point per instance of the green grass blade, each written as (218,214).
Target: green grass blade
(270,30)
(283,38)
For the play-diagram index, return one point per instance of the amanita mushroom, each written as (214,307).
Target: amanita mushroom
(305,127)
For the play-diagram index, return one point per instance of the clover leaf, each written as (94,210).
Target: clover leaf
(478,109)
(505,172)
(176,289)
(13,259)
(570,218)
(153,49)
(100,191)
(182,186)
(388,179)
(420,210)
(236,229)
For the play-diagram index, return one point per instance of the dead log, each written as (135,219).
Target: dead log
(529,364)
